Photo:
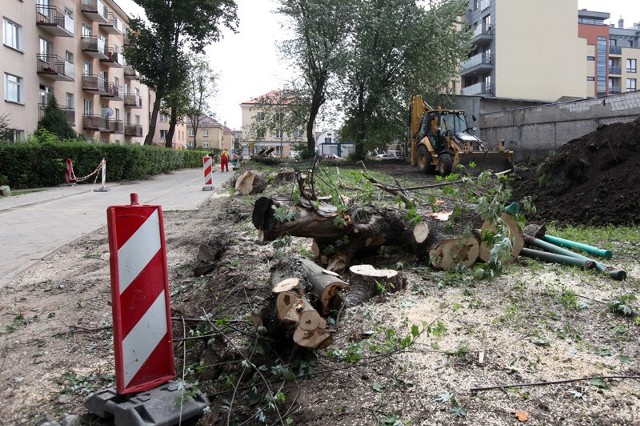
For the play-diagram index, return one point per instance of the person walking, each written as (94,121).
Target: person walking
(224,161)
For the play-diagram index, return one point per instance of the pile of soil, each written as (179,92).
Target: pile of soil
(592,180)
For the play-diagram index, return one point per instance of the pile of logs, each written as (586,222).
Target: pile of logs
(338,237)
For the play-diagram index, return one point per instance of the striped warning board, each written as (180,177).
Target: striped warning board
(207,170)
(143,344)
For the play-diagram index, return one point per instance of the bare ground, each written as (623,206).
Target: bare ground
(536,323)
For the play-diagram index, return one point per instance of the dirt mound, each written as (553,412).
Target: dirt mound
(592,180)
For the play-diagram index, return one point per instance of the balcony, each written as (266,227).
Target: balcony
(480,63)
(56,68)
(92,83)
(111,91)
(115,126)
(482,36)
(54,21)
(95,9)
(131,100)
(113,25)
(95,46)
(615,70)
(615,50)
(477,89)
(134,130)
(95,122)
(114,59)
(130,73)
(69,113)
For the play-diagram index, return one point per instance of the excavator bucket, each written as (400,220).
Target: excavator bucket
(497,161)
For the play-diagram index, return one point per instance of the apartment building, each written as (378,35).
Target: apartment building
(261,108)
(210,135)
(71,49)
(180,139)
(522,50)
(613,56)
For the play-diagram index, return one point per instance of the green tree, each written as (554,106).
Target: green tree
(54,120)
(201,89)
(398,48)
(321,30)
(157,48)
(6,134)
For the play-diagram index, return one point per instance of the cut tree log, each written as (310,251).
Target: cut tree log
(447,251)
(285,175)
(366,281)
(326,285)
(250,182)
(515,236)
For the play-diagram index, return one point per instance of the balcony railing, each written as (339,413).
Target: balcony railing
(111,91)
(69,113)
(92,83)
(114,59)
(477,89)
(55,68)
(95,46)
(133,130)
(95,122)
(130,73)
(113,25)
(615,70)
(54,21)
(115,126)
(131,100)
(484,4)
(615,50)
(479,59)
(95,9)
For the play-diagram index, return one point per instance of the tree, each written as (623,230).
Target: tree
(6,134)
(321,29)
(398,48)
(176,106)
(157,48)
(54,120)
(201,89)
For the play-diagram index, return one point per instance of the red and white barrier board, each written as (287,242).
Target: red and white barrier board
(207,169)
(142,337)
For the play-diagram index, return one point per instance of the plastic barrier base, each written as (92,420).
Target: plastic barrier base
(159,406)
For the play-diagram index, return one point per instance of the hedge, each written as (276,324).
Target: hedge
(42,164)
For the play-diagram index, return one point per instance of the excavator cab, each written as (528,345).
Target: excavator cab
(441,139)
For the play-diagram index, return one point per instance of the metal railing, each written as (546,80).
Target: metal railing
(615,70)
(52,15)
(95,6)
(55,65)
(69,113)
(132,100)
(95,44)
(133,130)
(480,58)
(615,50)
(113,57)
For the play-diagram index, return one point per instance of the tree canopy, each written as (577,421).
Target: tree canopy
(54,120)
(158,48)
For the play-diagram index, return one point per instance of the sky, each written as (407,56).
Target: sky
(248,62)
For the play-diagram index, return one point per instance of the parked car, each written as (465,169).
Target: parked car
(331,157)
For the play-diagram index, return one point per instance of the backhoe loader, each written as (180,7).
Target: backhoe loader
(440,141)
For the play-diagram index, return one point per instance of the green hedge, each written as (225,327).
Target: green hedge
(35,164)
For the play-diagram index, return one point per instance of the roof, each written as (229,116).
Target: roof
(272,97)
(206,122)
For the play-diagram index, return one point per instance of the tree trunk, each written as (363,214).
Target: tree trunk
(367,281)
(148,140)
(446,251)
(250,182)
(173,120)
(515,236)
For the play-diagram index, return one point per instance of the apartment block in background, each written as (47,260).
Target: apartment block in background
(525,50)
(71,49)
(210,134)
(613,55)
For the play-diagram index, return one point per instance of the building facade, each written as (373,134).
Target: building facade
(257,137)
(522,51)
(71,49)
(210,135)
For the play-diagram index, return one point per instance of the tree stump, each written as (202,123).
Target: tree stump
(447,251)
(366,281)
(250,182)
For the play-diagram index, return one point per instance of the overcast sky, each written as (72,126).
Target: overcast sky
(247,62)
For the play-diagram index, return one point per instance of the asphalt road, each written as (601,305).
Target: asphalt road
(34,225)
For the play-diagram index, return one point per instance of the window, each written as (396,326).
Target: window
(45,94)
(327,140)
(205,144)
(190,132)
(260,134)
(297,133)
(279,134)
(631,85)
(12,34)
(88,107)
(13,90)
(590,79)
(137,119)
(164,117)
(70,101)
(45,47)
(260,116)
(68,56)
(205,133)
(86,30)
(631,65)
(163,134)
(591,58)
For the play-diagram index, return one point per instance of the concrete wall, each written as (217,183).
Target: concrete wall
(539,130)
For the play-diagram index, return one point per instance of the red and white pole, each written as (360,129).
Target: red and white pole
(69,173)
(103,169)
(142,337)
(207,169)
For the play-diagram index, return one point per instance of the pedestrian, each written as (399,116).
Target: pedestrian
(224,161)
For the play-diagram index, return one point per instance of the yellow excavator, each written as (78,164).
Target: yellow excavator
(440,141)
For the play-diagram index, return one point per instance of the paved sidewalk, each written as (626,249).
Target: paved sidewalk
(35,224)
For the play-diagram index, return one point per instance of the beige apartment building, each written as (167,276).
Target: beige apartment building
(180,139)
(254,111)
(71,49)
(211,134)
(525,50)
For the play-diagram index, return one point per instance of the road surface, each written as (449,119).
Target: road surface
(35,224)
